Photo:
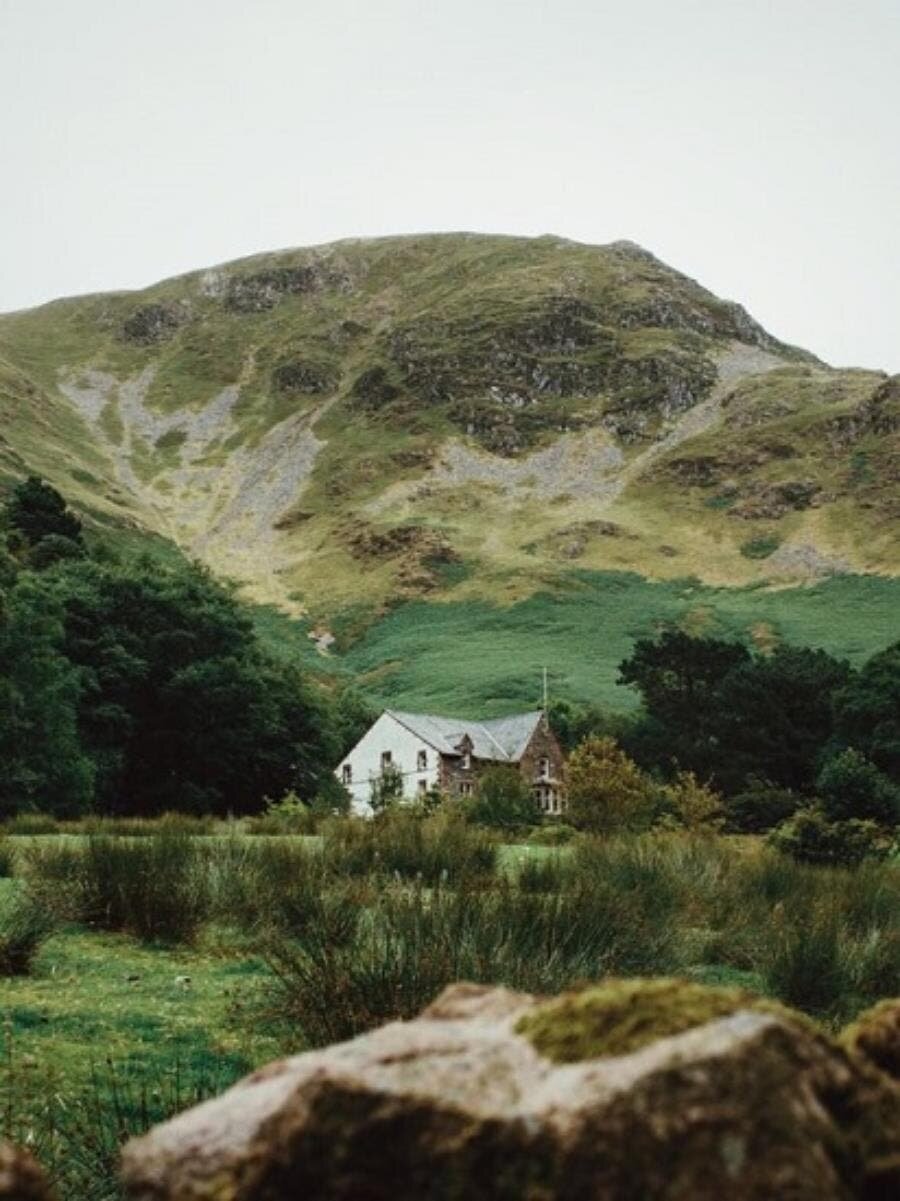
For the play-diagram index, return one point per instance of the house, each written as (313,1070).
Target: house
(449,754)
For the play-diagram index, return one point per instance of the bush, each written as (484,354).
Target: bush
(760,808)
(850,786)
(287,816)
(695,806)
(24,926)
(607,791)
(504,801)
(810,837)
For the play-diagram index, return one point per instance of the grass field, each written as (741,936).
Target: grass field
(476,658)
(296,942)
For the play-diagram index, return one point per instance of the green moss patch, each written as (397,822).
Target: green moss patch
(621,1016)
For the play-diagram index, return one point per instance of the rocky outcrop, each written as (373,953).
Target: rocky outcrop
(20,1177)
(656,1090)
(259,291)
(304,377)
(152,323)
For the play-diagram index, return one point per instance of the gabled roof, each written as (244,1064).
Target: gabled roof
(502,739)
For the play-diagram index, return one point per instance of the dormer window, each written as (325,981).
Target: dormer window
(466,761)
(422,762)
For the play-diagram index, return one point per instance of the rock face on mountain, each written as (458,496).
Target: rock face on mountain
(495,392)
(654,1089)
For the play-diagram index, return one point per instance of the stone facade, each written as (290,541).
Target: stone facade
(541,765)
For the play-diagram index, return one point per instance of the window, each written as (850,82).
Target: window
(423,787)
(544,767)
(422,764)
(465,788)
(347,773)
(466,761)
(386,760)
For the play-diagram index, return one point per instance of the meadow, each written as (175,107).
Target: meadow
(145,970)
(475,658)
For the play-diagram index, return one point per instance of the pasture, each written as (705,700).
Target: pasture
(165,966)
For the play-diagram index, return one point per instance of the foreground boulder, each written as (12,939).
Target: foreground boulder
(20,1177)
(491,1095)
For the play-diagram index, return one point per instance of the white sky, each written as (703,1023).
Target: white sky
(754,144)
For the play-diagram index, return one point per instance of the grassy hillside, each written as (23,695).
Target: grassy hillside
(397,435)
(476,658)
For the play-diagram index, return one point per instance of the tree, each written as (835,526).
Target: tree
(775,715)
(37,510)
(42,763)
(867,711)
(851,786)
(504,800)
(679,678)
(386,789)
(179,706)
(607,791)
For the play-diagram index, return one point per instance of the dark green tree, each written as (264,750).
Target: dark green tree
(680,680)
(775,716)
(180,708)
(851,786)
(867,711)
(36,510)
(42,764)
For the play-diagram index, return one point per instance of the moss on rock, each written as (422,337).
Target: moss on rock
(621,1016)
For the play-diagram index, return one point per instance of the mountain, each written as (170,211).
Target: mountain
(422,429)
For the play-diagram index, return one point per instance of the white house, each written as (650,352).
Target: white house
(448,753)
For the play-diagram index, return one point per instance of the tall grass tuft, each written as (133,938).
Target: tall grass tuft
(24,926)
(7,858)
(156,888)
(433,849)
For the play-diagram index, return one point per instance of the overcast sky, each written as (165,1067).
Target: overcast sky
(754,144)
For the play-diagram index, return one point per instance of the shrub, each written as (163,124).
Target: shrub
(607,791)
(504,801)
(809,837)
(695,806)
(24,926)
(760,808)
(287,816)
(851,786)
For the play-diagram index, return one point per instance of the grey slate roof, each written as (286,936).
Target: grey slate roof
(502,739)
